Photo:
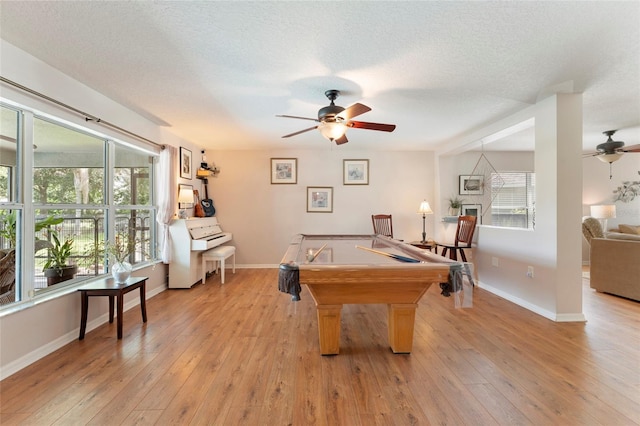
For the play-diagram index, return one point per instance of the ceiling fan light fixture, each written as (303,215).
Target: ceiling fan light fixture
(610,158)
(332,130)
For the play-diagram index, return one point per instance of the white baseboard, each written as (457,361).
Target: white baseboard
(553,316)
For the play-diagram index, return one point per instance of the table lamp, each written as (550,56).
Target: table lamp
(603,212)
(185,196)
(424,209)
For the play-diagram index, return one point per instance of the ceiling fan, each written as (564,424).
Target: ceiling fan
(611,150)
(334,120)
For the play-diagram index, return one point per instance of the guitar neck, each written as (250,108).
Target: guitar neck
(206,190)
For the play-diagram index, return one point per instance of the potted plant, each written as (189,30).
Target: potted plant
(56,269)
(8,232)
(455,204)
(9,223)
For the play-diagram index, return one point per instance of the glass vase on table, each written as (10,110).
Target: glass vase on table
(121,271)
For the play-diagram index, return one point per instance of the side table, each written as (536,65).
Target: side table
(107,287)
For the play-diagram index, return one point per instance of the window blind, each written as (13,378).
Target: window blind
(513,203)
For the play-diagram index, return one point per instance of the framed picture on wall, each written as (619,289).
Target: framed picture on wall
(284,170)
(185,163)
(319,199)
(355,172)
(471,184)
(473,210)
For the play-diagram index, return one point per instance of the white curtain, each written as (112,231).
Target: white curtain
(166,189)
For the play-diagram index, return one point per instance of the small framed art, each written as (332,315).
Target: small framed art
(284,170)
(319,199)
(473,210)
(185,163)
(355,172)
(471,184)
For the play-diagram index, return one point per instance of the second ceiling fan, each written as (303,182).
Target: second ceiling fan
(334,120)
(611,150)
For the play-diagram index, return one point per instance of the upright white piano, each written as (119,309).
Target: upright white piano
(189,239)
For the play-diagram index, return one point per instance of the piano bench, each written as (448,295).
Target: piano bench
(218,255)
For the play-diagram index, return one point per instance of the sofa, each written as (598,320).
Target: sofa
(615,262)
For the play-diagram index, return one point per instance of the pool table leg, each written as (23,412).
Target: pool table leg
(329,328)
(401,320)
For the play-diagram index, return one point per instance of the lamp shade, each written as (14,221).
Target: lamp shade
(425,208)
(606,211)
(332,130)
(609,158)
(185,195)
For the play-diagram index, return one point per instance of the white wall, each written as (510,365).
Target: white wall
(264,217)
(553,247)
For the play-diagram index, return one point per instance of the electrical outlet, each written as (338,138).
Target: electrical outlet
(530,271)
(495,261)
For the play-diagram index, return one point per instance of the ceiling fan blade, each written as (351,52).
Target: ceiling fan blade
(300,118)
(632,148)
(354,111)
(372,126)
(300,131)
(342,139)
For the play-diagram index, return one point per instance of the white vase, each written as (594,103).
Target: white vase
(121,271)
(454,211)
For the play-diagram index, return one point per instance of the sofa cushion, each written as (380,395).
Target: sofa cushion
(621,236)
(629,229)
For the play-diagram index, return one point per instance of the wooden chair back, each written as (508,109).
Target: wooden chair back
(382,224)
(465,230)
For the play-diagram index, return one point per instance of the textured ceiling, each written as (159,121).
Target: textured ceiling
(217,73)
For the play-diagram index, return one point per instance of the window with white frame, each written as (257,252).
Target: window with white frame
(86,189)
(513,204)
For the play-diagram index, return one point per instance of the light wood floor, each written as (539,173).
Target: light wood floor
(244,354)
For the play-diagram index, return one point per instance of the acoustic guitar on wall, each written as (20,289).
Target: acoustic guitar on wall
(198,210)
(207,203)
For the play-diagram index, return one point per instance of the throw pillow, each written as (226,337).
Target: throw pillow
(591,228)
(629,229)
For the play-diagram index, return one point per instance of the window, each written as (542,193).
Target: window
(85,189)
(68,165)
(10,208)
(513,203)
(6,173)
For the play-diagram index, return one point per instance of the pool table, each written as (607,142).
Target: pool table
(339,269)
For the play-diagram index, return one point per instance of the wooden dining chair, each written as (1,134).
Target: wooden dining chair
(464,236)
(382,224)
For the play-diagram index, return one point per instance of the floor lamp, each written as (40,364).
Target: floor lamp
(424,209)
